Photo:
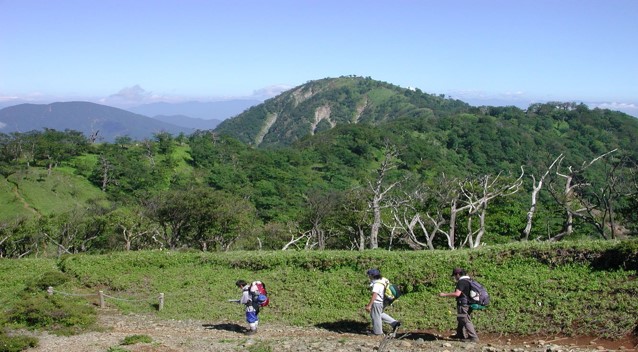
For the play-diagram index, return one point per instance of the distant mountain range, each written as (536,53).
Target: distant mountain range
(305,110)
(215,110)
(189,122)
(106,122)
(109,122)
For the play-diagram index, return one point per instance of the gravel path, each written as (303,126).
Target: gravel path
(226,336)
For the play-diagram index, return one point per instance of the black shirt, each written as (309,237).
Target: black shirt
(463,285)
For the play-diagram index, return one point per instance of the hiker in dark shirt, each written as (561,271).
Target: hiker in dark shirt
(464,329)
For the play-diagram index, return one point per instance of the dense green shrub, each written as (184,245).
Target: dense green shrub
(16,343)
(48,279)
(58,314)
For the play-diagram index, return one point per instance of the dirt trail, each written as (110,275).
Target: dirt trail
(192,335)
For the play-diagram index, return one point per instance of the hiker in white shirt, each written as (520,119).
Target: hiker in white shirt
(376,305)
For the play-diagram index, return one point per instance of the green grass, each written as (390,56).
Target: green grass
(34,191)
(11,204)
(17,275)
(583,288)
(380,95)
(16,343)
(133,339)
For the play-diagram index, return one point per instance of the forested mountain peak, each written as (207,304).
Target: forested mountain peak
(323,104)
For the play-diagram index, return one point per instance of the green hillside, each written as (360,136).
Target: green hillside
(536,289)
(415,171)
(322,104)
(38,192)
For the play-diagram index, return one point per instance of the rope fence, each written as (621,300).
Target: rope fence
(102,297)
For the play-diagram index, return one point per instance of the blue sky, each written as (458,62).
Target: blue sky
(485,52)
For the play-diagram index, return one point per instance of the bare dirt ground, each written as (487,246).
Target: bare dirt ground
(226,336)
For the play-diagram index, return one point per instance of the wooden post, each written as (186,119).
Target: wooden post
(161,302)
(50,291)
(101,294)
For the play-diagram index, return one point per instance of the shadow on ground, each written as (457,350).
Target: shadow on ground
(425,336)
(345,326)
(225,326)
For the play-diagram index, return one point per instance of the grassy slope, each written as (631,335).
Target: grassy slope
(35,192)
(569,288)
(16,275)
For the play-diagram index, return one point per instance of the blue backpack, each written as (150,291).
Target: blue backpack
(479,298)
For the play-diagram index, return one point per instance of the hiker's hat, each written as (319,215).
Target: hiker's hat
(373,272)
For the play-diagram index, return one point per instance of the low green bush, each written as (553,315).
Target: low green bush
(16,343)
(59,314)
(133,339)
(48,279)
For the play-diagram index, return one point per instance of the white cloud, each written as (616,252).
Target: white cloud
(616,106)
(136,95)
(480,98)
(3,99)
(478,94)
(627,108)
(132,94)
(270,91)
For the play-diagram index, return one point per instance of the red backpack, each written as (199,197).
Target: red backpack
(259,294)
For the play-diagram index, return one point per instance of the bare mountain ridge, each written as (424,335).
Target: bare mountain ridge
(323,104)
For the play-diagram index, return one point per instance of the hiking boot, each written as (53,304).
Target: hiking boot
(456,337)
(395,325)
(251,332)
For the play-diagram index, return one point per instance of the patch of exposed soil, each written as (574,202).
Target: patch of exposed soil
(226,336)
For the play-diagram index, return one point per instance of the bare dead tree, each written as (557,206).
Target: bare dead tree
(94,136)
(402,207)
(475,196)
(536,188)
(106,169)
(131,234)
(150,153)
(5,234)
(422,227)
(569,198)
(414,227)
(320,206)
(356,206)
(445,195)
(379,190)
(600,202)
(297,236)
(408,220)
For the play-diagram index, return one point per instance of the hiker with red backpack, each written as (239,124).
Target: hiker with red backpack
(254,297)
(463,306)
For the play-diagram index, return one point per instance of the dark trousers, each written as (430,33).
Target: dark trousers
(465,327)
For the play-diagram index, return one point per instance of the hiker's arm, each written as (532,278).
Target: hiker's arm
(245,297)
(372,299)
(456,293)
